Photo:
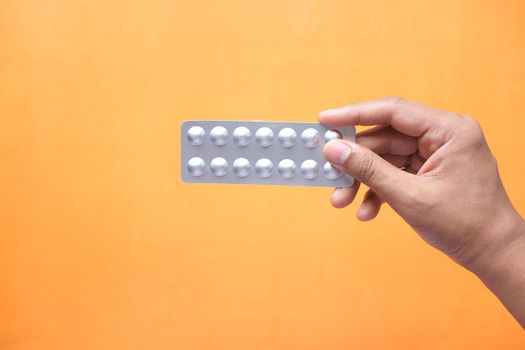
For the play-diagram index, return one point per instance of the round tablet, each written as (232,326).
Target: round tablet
(219,135)
(264,136)
(241,167)
(241,136)
(219,166)
(310,169)
(196,135)
(287,137)
(330,171)
(332,135)
(196,166)
(264,167)
(286,168)
(310,138)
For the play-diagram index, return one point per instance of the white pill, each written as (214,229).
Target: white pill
(332,135)
(241,136)
(196,135)
(330,171)
(286,168)
(264,167)
(264,136)
(219,135)
(310,169)
(310,138)
(241,167)
(287,137)
(219,166)
(196,166)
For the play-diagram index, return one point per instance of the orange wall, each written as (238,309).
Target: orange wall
(103,247)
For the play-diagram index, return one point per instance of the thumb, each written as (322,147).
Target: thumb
(386,180)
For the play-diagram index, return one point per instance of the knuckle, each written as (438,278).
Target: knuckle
(413,195)
(431,142)
(417,201)
(395,100)
(473,123)
(423,196)
(493,161)
(474,131)
(365,168)
(492,165)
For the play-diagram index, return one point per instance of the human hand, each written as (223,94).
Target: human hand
(435,169)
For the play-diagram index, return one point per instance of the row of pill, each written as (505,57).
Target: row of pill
(263,167)
(264,136)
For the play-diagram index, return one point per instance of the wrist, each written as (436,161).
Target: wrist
(497,255)
(503,271)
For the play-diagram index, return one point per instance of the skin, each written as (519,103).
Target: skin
(435,169)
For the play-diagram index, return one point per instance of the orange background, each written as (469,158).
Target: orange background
(103,247)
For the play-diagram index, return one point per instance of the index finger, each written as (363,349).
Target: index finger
(407,117)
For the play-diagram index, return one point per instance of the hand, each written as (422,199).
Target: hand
(435,169)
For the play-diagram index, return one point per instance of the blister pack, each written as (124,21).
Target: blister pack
(260,152)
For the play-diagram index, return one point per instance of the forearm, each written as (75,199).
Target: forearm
(504,272)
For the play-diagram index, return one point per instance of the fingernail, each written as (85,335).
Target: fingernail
(336,192)
(327,112)
(337,152)
(362,210)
